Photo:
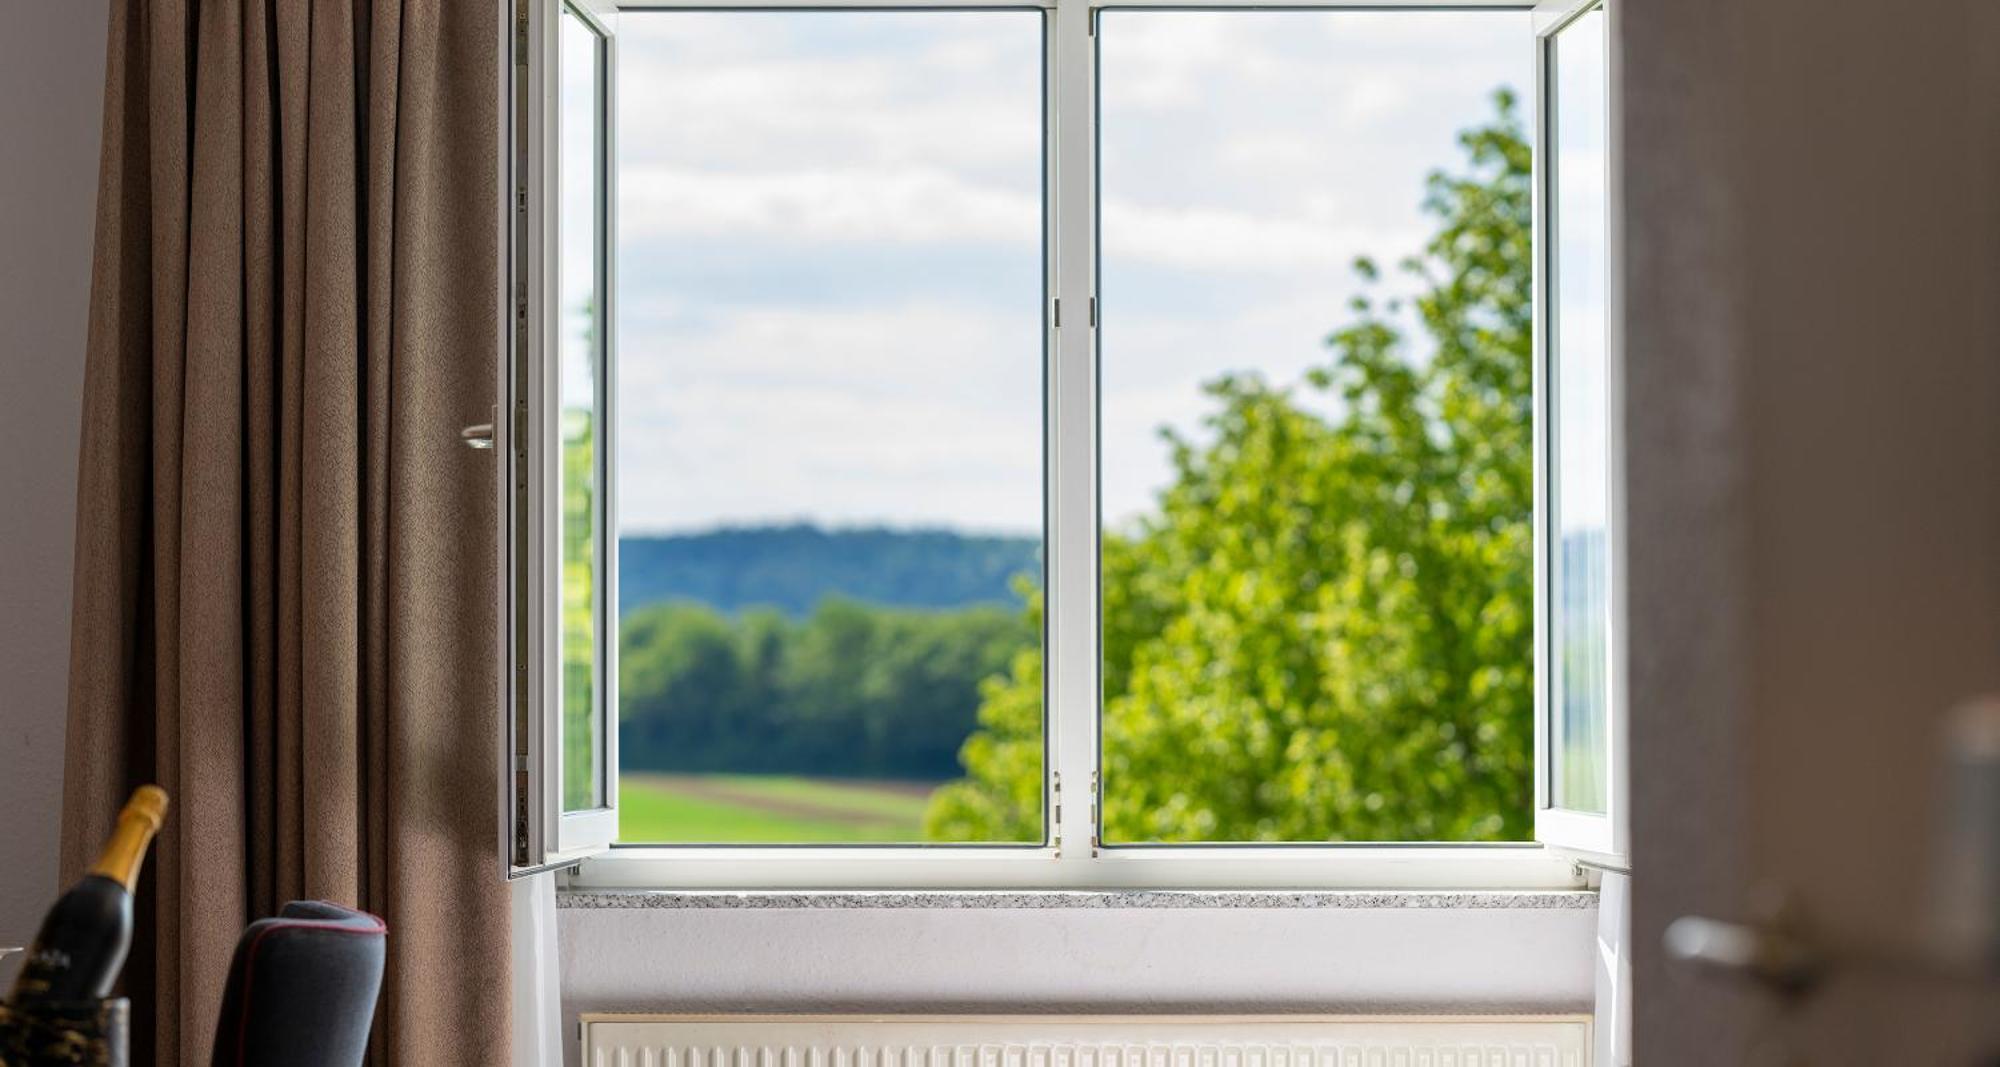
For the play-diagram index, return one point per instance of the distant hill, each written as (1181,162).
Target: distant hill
(793,567)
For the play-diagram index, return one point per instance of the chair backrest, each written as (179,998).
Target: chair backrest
(302,989)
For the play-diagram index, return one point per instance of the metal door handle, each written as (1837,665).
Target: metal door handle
(1770,954)
(1787,956)
(479,436)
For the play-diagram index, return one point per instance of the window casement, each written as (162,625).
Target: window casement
(557,476)
(1580,754)
(558,743)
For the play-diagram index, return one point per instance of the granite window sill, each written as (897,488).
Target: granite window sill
(1158,899)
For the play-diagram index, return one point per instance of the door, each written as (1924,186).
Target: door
(1813,506)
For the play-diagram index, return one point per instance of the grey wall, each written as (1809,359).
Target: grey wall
(51,95)
(894,959)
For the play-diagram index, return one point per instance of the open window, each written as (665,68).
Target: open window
(560,749)
(1068,445)
(1581,779)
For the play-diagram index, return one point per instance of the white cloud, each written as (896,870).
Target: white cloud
(897,349)
(754,90)
(1217,239)
(909,414)
(1248,158)
(900,205)
(716,453)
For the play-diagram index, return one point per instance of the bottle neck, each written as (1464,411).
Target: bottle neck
(126,851)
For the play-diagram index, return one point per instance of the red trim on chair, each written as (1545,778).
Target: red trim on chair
(329,926)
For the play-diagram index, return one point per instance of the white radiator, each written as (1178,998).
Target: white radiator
(1083,1041)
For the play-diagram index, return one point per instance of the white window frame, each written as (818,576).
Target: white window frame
(1072,856)
(1598,838)
(537,834)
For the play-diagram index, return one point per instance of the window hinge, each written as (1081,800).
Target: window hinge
(521,35)
(1094,831)
(521,322)
(1055,313)
(1092,23)
(521,857)
(1093,323)
(1055,806)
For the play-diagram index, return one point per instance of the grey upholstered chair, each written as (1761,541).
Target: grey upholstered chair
(302,989)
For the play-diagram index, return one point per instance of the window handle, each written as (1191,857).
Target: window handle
(479,436)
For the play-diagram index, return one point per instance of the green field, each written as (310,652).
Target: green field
(767,809)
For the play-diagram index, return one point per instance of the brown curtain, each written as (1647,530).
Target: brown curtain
(284,556)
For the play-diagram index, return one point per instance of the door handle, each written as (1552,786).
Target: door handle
(1774,954)
(1784,955)
(479,436)
(1958,938)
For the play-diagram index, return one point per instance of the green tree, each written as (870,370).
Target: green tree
(580,588)
(1000,797)
(1324,633)
(577,611)
(852,690)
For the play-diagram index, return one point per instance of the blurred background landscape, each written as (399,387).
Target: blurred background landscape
(807,685)
(1316,427)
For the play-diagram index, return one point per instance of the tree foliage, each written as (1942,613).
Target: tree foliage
(852,690)
(578,612)
(1324,633)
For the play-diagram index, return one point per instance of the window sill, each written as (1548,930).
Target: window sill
(1211,870)
(1153,899)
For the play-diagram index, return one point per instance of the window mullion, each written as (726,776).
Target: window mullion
(1072,602)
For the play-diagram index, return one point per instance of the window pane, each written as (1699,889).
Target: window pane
(830,409)
(579,350)
(1580,490)
(1317,472)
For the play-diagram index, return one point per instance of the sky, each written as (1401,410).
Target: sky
(829,240)
(1582,487)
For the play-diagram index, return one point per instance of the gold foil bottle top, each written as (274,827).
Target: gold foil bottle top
(137,823)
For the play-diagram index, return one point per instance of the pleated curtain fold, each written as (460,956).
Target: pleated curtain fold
(285,557)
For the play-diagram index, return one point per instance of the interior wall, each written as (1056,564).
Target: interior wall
(51,93)
(1251,960)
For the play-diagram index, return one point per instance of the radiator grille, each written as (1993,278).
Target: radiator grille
(1069,1041)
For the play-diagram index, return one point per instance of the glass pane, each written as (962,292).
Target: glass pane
(830,409)
(1580,489)
(1316,436)
(579,349)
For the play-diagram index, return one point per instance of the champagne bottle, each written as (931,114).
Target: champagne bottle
(83,940)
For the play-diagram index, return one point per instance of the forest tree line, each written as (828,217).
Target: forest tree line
(849,690)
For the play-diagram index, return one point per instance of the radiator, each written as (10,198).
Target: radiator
(1083,1041)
